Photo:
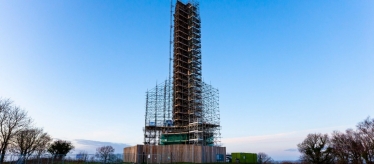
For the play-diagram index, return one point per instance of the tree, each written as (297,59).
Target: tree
(346,147)
(339,144)
(353,146)
(264,158)
(315,149)
(12,120)
(43,145)
(60,148)
(104,153)
(366,135)
(29,141)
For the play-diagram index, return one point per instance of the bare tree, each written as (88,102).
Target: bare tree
(104,153)
(339,144)
(354,146)
(315,149)
(346,147)
(366,135)
(12,120)
(43,144)
(264,158)
(28,141)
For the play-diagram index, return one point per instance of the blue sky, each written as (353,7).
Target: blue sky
(283,68)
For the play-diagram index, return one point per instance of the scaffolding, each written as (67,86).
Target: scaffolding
(160,128)
(158,112)
(183,110)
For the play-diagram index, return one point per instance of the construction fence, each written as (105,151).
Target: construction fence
(174,154)
(60,159)
(113,159)
(172,158)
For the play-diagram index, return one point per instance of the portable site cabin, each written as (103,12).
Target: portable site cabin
(244,158)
